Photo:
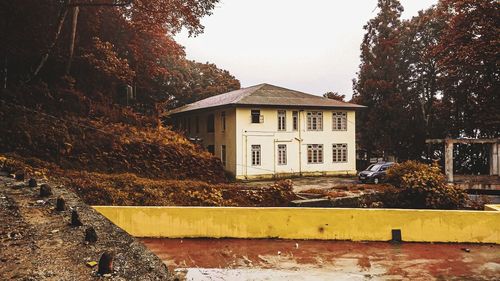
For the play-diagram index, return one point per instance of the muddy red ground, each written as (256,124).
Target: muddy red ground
(227,259)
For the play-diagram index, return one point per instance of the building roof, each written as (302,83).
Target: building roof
(265,95)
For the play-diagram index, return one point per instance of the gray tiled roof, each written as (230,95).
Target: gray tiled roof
(265,95)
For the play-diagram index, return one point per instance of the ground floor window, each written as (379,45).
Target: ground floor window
(281,154)
(211,148)
(314,153)
(339,152)
(223,154)
(256,155)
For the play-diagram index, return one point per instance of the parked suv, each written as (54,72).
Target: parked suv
(375,173)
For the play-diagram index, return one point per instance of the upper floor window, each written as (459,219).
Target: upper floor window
(223,154)
(223,120)
(281,154)
(210,123)
(256,117)
(281,120)
(315,121)
(256,155)
(339,152)
(295,120)
(340,121)
(314,153)
(197,124)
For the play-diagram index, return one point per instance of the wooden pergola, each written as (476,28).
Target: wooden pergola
(448,155)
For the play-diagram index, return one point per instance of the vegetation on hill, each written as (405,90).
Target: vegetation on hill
(84,85)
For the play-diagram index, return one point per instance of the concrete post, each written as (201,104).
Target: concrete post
(494,159)
(497,170)
(448,160)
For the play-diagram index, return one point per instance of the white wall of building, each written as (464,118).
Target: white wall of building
(240,134)
(266,135)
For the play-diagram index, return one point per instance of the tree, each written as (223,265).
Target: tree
(382,125)
(418,78)
(192,81)
(468,59)
(116,43)
(334,96)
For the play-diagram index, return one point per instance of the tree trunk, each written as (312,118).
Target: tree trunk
(45,56)
(5,72)
(74,23)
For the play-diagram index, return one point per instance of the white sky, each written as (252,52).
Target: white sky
(310,46)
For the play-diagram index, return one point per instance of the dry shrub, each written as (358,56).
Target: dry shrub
(421,186)
(102,146)
(129,189)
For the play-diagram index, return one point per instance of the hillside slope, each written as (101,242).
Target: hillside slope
(78,143)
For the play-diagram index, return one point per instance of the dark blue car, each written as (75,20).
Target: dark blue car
(375,173)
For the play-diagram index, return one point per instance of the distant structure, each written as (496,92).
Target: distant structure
(490,181)
(268,131)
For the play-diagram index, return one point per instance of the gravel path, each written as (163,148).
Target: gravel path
(38,243)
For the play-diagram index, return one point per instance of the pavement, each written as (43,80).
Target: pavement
(274,259)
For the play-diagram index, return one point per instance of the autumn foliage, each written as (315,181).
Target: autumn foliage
(435,75)
(422,186)
(64,66)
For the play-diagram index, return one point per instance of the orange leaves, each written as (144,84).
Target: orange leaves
(105,59)
(420,185)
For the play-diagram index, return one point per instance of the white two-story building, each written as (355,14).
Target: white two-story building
(267,131)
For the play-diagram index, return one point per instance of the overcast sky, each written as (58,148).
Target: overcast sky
(310,46)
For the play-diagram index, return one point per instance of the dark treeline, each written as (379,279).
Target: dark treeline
(95,49)
(433,76)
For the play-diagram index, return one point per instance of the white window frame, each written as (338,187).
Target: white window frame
(315,121)
(256,154)
(282,154)
(339,121)
(315,154)
(339,153)
(295,120)
(281,120)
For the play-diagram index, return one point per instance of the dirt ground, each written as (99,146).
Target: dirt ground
(37,242)
(272,259)
(305,183)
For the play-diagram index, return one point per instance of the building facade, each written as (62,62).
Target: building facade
(267,131)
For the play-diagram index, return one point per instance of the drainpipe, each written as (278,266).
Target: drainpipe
(448,160)
(274,156)
(300,141)
(246,156)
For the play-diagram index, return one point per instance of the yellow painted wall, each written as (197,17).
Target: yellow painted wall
(266,135)
(307,223)
(492,207)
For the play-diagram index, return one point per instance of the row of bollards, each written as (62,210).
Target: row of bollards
(105,265)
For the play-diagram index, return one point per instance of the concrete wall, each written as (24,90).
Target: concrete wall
(267,135)
(307,223)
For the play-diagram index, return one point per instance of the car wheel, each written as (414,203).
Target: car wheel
(376,181)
